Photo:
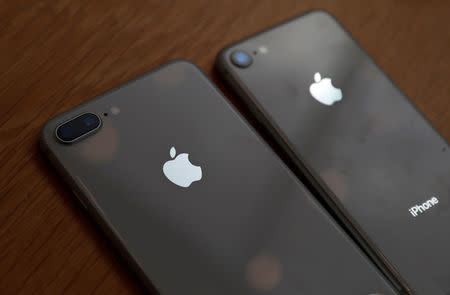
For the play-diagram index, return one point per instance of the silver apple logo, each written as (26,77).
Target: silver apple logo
(180,170)
(324,91)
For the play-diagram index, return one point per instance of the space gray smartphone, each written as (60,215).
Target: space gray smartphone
(194,199)
(354,138)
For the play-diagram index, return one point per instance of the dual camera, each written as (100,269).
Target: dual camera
(78,127)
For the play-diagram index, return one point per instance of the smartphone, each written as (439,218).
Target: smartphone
(194,200)
(354,138)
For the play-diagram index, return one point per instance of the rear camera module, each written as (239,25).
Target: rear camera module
(78,127)
(241,59)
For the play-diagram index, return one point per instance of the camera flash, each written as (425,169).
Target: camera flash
(115,110)
(263,49)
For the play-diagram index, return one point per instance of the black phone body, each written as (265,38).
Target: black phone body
(355,138)
(192,197)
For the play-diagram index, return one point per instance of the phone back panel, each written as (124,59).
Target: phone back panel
(374,154)
(246,227)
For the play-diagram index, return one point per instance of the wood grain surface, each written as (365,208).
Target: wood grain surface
(55,54)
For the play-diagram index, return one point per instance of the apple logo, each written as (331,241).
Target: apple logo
(180,170)
(323,91)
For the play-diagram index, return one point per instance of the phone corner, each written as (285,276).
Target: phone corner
(177,62)
(182,61)
(222,53)
(319,11)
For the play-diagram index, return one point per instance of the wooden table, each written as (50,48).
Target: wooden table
(55,54)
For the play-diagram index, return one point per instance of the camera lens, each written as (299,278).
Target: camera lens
(241,59)
(77,128)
